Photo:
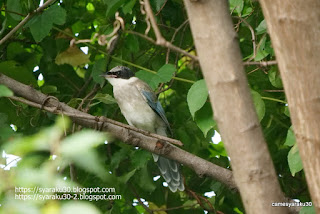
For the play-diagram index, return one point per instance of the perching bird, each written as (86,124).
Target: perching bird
(141,108)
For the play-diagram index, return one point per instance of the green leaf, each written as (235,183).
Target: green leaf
(218,149)
(113,6)
(14,70)
(140,158)
(41,141)
(14,6)
(14,49)
(132,43)
(79,149)
(236,5)
(197,96)
(5,130)
(166,72)
(127,8)
(147,182)
(119,156)
(261,53)
(159,4)
(5,92)
(275,78)
(90,7)
(41,25)
(204,119)
(163,75)
(105,98)
(152,79)
(291,139)
(307,210)
(56,14)
(49,89)
(246,11)
(286,111)
(259,104)
(262,27)
(98,68)
(125,178)
(294,160)
(268,48)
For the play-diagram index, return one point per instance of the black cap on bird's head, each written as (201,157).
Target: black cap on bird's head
(121,72)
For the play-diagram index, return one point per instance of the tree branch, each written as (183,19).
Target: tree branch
(57,110)
(160,40)
(222,68)
(253,37)
(25,20)
(128,134)
(262,63)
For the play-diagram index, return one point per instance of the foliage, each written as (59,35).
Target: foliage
(39,55)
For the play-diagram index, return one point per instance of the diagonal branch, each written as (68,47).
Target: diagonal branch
(57,110)
(25,20)
(128,134)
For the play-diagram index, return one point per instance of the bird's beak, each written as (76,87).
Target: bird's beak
(107,75)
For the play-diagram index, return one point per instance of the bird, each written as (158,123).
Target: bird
(142,109)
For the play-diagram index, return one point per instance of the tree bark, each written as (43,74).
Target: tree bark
(221,63)
(294,28)
(128,134)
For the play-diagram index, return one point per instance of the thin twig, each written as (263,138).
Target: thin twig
(164,89)
(164,44)
(164,4)
(94,90)
(198,198)
(84,87)
(253,37)
(160,40)
(13,12)
(25,20)
(180,44)
(69,81)
(250,72)
(174,36)
(175,208)
(139,199)
(262,63)
(121,60)
(141,35)
(274,90)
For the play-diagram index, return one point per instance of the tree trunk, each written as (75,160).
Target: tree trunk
(219,54)
(294,27)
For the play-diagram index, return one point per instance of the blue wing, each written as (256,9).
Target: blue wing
(156,106)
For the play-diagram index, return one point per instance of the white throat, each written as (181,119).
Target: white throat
(118,82)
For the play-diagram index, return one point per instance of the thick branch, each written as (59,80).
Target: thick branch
(220,59)
(294,29)
(127,134)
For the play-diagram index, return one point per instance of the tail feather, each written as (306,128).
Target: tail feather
(170,172)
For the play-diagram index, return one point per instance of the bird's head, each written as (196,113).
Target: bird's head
(120,72)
